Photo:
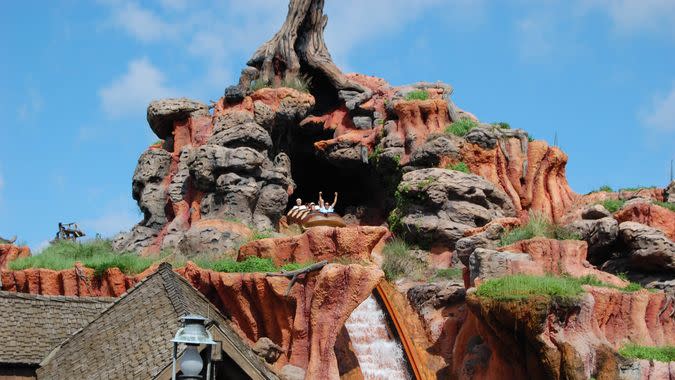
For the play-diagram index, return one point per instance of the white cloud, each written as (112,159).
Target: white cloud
(141,23)
(660,115)
(637,15)
(130,93)
(534,37)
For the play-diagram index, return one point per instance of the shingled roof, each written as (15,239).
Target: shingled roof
(132,338)
(32,325)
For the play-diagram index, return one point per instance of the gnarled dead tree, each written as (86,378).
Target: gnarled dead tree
(298,50)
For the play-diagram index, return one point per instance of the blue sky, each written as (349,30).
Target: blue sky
(76,77)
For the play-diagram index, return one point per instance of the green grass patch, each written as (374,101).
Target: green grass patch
(399,262)
(538,225)
(460,167)
(668,205)
(417,95)
(250,265)
(95,254)
(636,188)
(518,287)
(503,125)
(612,205)
(264,234)
(660,354)
(461,127)
(449,274)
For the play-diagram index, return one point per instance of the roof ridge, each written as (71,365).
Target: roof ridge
(47,297)
(172,288)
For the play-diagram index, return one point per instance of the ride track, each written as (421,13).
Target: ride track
(408,347)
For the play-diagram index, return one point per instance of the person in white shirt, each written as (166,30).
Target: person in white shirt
(299,205)
(326,207)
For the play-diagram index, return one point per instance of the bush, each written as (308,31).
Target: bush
(398,261)
(636,188)
(460,167)
(461,127)
(300,83)
(612,205)
(417,95)
(604,188)
(96,254)
(517,287)
(503,125)
(661,354)
(259,84)
(668,205)
(264,234)
(538,225)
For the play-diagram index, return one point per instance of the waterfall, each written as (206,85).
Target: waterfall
(380,355)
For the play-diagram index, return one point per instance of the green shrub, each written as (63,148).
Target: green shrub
(530,138)
(461,127)
(604,188)
(460,167)
(398,261)
(668,205)
(300,83)
(612,205)
(95,254)
(537,225)
(503,125)
(259,84)
(264,234)
(417,95)
(517,287)
(228,265)
(661,354)
(449,273)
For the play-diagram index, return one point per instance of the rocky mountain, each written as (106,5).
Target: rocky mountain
(409,166)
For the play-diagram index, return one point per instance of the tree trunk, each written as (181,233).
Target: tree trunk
(298,50)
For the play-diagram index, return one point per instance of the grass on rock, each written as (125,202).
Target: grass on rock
(661,354)
(449,274)
(668,205)
(399,261)
(95,254)
(417,95)
(461,127)
(603,188)
(538,225)
(249,265)
(460,167)
(517,287)
(612,205)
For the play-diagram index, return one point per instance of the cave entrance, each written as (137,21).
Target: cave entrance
(358,186)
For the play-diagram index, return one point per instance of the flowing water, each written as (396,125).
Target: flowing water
(380,355)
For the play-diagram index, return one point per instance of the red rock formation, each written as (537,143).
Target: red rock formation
(534,179)
(562,257)
(11,252)
(320,243)
(78,281)
(648,214)
(305,323)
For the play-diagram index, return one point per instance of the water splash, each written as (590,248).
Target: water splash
(380,355)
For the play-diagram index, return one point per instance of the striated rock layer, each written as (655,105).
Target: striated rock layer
(532,174)
(320,243)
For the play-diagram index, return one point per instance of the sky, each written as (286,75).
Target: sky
(76,78)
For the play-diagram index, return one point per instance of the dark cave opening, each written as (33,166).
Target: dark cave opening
(357,186)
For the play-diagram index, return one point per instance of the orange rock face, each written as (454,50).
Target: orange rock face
(320,243)
(78,281)
(562,257)
(306,323)
(534,179)
(649,214)
(11,252)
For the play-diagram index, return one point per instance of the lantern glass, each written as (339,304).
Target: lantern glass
(191,363)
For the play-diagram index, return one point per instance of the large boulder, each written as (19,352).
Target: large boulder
(162,113)
(648,249)
(436,206)
(600,234)
(669,193)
